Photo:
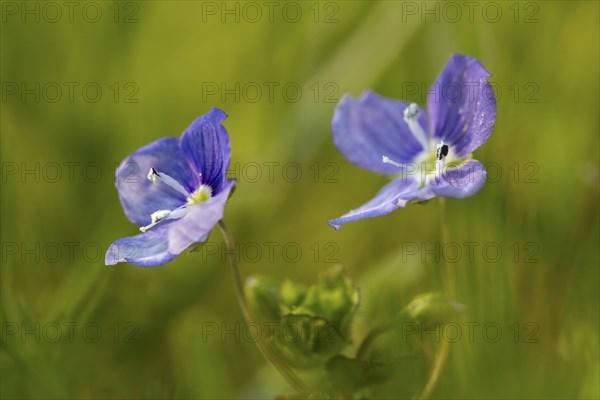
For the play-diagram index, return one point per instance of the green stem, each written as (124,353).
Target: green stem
(265,347)
(436,370)
(442,355)
(450,272)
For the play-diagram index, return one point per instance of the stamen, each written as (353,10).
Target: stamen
(411,117)
(202,194)
(156,177)
(387,160)
(156,217)
(161,215)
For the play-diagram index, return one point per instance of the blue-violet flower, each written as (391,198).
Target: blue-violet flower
(430,155)
(175,189)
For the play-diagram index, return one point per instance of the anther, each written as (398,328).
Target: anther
(159,215)
(411,112)
(441,151)
(153,176)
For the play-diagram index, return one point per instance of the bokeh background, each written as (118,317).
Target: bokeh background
(73,328)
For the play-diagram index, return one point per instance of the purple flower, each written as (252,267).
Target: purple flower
(430,154)
(175,189)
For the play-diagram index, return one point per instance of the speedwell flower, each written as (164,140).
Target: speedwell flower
(175,189)
(429,153)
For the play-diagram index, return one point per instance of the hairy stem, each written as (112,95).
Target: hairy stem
(436,370)
(264,346)
(442,355)
(450,272)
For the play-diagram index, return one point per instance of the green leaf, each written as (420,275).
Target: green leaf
(401,352)
(307,341)
(388,345)
(334,298)
(350,375)
(432,307)
(262,294)
(313,323)
(292,294)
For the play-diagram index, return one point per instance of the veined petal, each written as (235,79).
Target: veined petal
(205,145)
(372,126)
(150,249)
(139,196)
(460,182)
(395,194)
(199,221)
(461,105)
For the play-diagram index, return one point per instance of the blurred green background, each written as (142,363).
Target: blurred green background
(73,328)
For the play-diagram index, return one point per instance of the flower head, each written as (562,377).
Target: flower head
(175,189)
(429,153)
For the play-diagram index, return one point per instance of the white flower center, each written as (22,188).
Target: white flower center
(202,194)
(430,164)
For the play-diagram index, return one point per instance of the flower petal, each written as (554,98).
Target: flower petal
(372,126)
(205,144)
(393,195)
(460,182)
(140,197)
(150,249)
(462,106)
(199,221)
